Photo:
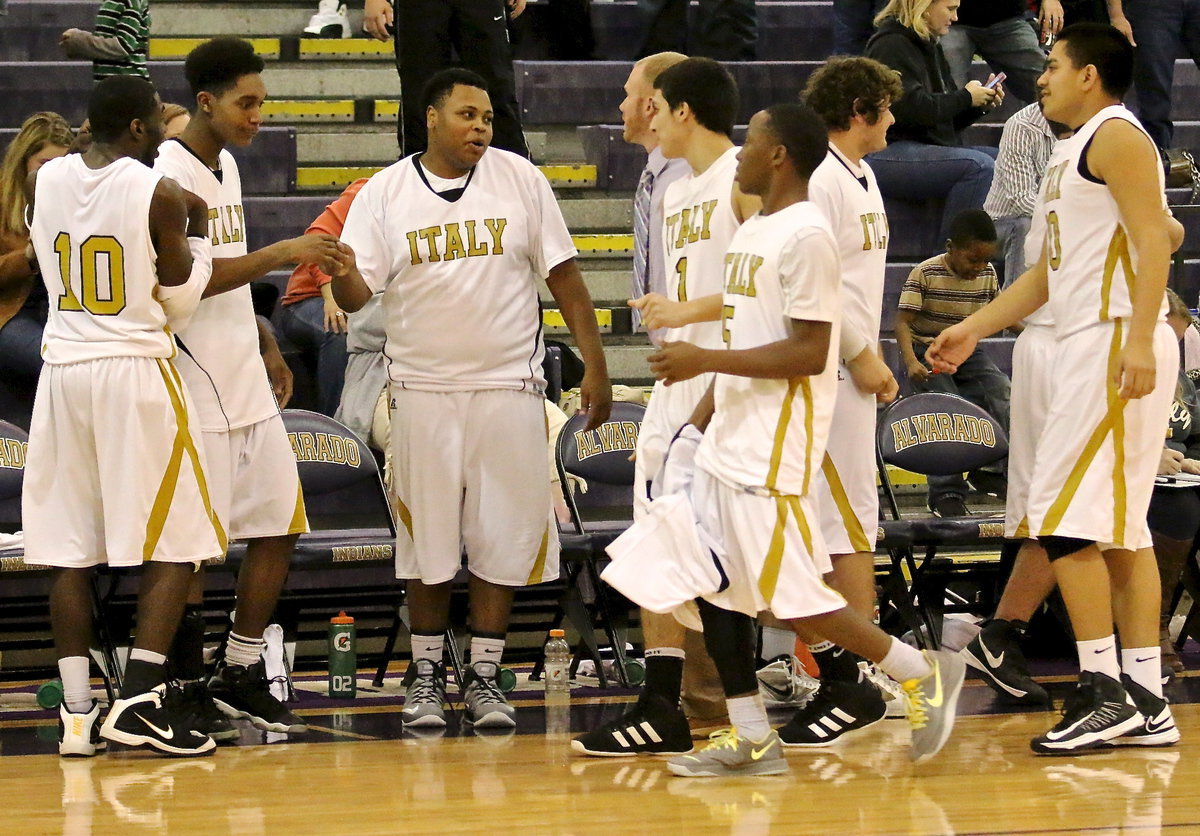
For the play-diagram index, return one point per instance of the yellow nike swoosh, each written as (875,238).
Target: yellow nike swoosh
(936,700)
(756,754)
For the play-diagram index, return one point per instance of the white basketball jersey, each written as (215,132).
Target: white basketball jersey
(854,207)
(91,231)
(220,361)
(459,272)
(698,224)
(1091,262)
(771,433)
(1035,242)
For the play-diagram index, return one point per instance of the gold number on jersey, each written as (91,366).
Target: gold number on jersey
(110,303)
(1053,242)
(726,319)
(681,285)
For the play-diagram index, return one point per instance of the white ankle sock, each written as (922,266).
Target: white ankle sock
(486,650)
(1099,656)
(1141,664)
(749,716)
(77,687)
(903,663)
(428,648)
(240,650)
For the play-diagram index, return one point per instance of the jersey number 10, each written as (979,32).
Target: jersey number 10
(112,301)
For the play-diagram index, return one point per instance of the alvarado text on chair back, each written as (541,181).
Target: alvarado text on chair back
(13,443)
(602,457)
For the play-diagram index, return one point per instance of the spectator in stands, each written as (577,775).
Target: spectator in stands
(1000,31)
(725,30)
(43,136)
(1097,11)
(939,292)
(175,119)
(853,25)
(1025,147)
(1164,29)
(120,44)
(425,33)
(636,111)
(925,158)
(310,317)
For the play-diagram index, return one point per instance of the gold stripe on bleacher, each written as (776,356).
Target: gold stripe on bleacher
(308,110)
(337,177)
(174,49)
(574,176)
(613,244)
(326,48)
(332,177)
(553,319)
(387,110)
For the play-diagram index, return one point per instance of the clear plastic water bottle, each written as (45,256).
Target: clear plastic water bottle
(556,672)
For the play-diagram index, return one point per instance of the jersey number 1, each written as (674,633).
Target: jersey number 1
(113,301)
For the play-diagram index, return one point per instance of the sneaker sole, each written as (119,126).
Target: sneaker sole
(137,740)
(424,721)
(493,720)
(222,736)
(774,767)
(1168,737)
(1094,745)
(89,751)
(259,723)
(1024,697)
(822,744)
(581,748)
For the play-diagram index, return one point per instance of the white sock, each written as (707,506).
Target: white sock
(486,650)
(142,655)
(777,642)
(1141,664)
(903,663)
(749,716)
(243,651)
(428,648)
(820,647)
(77,686)
(675,652)
(1099,656)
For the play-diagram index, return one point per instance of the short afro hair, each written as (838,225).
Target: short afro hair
(215,66)
(441,84)
(971,225)
(799,129)
(116,102)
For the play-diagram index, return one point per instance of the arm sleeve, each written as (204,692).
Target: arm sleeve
(363,233)
(179,302)
(912,294)
(809,271)
(80,44)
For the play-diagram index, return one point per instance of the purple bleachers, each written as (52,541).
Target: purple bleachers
(271,219)
(30,30)
(62,86)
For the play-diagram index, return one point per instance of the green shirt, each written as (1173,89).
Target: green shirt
(129,22)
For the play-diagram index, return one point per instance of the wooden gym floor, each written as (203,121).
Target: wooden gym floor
(356,772)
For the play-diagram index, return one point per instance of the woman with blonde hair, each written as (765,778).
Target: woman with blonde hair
(175,119)
(42,137)
(925,158)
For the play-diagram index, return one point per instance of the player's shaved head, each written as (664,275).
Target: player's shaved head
(799,129)
(438,88)
(118,101)
(215,66)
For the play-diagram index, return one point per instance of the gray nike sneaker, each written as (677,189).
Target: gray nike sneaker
(728,754)
(424,695)
(487,707)
(933,701)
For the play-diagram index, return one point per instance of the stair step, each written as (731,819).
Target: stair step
(338,177)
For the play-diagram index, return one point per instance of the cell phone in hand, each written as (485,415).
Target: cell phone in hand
(991,85)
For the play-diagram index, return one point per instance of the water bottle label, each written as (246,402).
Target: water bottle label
(341,683)
(342,643)
(556,672)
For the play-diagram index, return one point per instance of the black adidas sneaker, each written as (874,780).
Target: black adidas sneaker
(650,727)
(838,707)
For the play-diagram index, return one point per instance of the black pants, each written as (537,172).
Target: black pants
(726,30)
(430,35)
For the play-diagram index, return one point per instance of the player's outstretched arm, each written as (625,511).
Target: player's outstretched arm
(231,273)
(660,312)
(570,294)
(349,289)
(802,354)
(1124,158)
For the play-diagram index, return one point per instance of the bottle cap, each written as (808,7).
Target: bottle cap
(341,618)
(557,634)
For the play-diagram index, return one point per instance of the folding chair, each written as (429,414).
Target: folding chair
(602,458)
(933,434)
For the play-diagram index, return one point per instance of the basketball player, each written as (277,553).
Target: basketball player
(456,238)
(255,484)
(765,421)
(115,472)
(1103,273)
(853,97)
(694,103)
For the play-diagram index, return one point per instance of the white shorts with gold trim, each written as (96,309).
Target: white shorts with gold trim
(1097,456)
(1032,388)
(470,472)
(845,491)
(115,473)
(255,483)
(775,557)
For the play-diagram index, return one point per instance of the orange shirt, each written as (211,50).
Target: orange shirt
(307,279)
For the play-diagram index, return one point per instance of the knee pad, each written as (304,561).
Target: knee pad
(1057,547)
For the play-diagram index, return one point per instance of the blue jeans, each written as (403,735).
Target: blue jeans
(1164,30)
(20,367)
(853,25)
(1010,237)
(960,175)
(979,381)
(1010,45)
(304,324)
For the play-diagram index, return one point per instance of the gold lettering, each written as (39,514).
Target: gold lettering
(495,226)
(474,248)
(413,254)
(454,244)
(707,208)
(323,453)
(684,228)
(430,234)
(989,433)
(213,226)
(241,222)
(960,428)
(308,450)
(945,427)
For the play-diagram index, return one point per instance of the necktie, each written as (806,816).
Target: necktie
(641,235)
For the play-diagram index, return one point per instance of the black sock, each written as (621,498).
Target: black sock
(732,642)
(140,677)
(999,629)
(664,679)
(837,664)
(186,659)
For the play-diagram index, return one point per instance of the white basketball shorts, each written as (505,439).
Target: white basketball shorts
(846,495)
(1032,389)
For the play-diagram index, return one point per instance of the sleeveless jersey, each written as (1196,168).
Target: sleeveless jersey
(1090,261)
(854,208)
(1035,242)
(698,224)
(220,361)
(771,433)
(459,271)
(91,232)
